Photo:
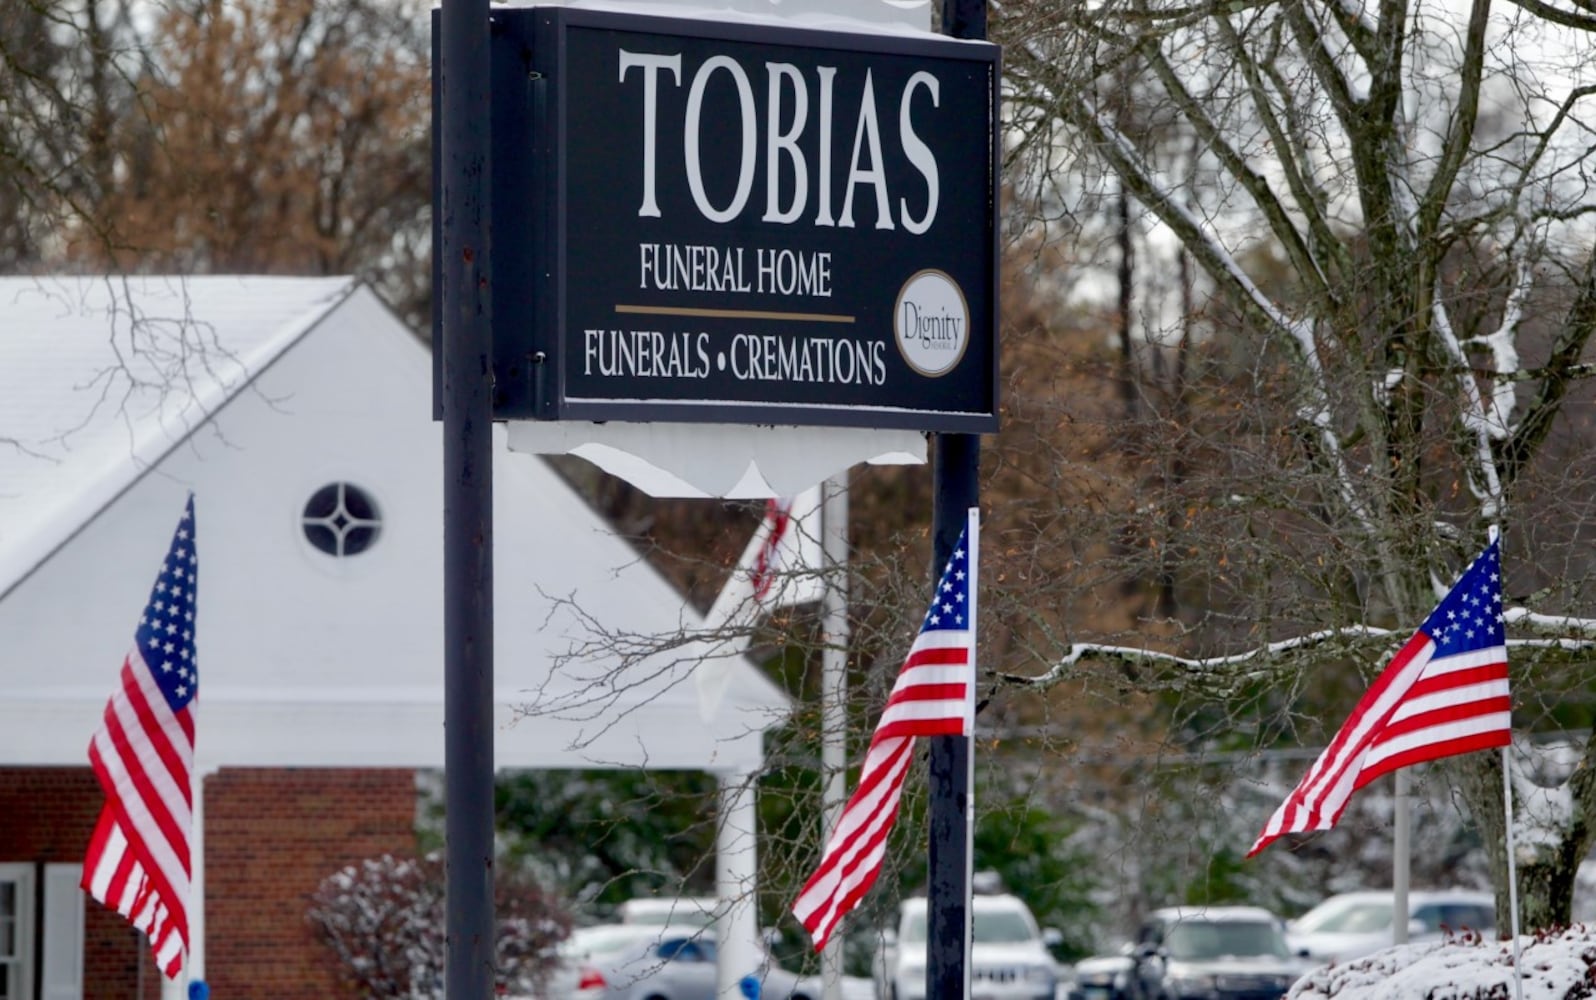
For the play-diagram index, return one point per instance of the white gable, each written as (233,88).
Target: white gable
(254,393)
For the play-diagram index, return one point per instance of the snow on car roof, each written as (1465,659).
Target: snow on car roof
(1216,913)
(980,901)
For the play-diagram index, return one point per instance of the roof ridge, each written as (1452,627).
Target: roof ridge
(152,436)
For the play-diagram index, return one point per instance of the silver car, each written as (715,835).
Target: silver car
(1212,953)
(1354,924)
(654,962)
(1009,958)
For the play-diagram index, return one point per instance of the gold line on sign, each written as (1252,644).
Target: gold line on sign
(734,313)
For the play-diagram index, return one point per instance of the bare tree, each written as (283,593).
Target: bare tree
(1390,208)
(68,77)
(272,136)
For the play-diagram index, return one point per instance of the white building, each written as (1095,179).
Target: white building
(298,413)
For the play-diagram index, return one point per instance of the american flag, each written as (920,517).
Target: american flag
(782,566)
(143,755)
(1444,693)
(934,696)
(778,517)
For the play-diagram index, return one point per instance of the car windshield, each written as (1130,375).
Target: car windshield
(988,927)
(1202,939)
(1346,916)
(1001,927)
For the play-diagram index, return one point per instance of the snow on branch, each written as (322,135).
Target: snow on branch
(1264,660)
(1473,414)
(1550,623)
(1212,666)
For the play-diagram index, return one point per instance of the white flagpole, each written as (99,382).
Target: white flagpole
(1401,856)
(1512,866)
(834,691)
(972,525)
(1491,535)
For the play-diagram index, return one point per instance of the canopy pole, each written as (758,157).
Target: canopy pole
(739,953)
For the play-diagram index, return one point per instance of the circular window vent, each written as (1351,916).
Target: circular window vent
(341,519)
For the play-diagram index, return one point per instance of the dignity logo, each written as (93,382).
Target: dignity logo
(932,322)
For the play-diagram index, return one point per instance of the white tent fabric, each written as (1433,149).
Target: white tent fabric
(120,395)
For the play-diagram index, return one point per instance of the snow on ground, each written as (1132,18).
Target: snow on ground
(1551,967)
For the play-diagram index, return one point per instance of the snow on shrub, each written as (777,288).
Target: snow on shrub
(1556,965)
(382,921)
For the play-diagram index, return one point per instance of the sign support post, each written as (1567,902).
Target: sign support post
(466,397)
(706,223)
(956,463)
(950,855)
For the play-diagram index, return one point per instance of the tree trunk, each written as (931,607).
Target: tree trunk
(1546,865)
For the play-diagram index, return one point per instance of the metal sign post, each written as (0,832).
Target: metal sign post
(956,466)
(466,350)
(952,806)
(709,223)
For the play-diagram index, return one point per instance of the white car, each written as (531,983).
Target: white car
(678,911)
(655,961)
(588,958)
(1009,958)
(1354,924)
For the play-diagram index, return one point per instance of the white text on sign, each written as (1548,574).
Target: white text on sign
(781,132)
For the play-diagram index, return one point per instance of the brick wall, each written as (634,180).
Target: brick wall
(47,815)
(271,837)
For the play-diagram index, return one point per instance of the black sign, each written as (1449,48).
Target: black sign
(701,221)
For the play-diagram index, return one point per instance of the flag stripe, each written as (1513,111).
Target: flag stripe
(137,741)
(938,726)
(134,704)
(137,862)
(1372,711)
(1495,735)
(945,649)
(1453,703)
(933,695)
(955,672)
(1329,779)
(1490,719)
(142,802)
(916,697)
(882,769)
(864,819)
(871,807)
(1445,692)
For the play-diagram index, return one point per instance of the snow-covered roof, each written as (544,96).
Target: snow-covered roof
(101,377)
(120,396)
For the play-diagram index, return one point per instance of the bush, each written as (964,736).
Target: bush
(382,921)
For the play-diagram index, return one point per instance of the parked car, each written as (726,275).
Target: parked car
(655,962)
(1196,953)
(589,955)
(1009,958)
(680,911)
(1354,924)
